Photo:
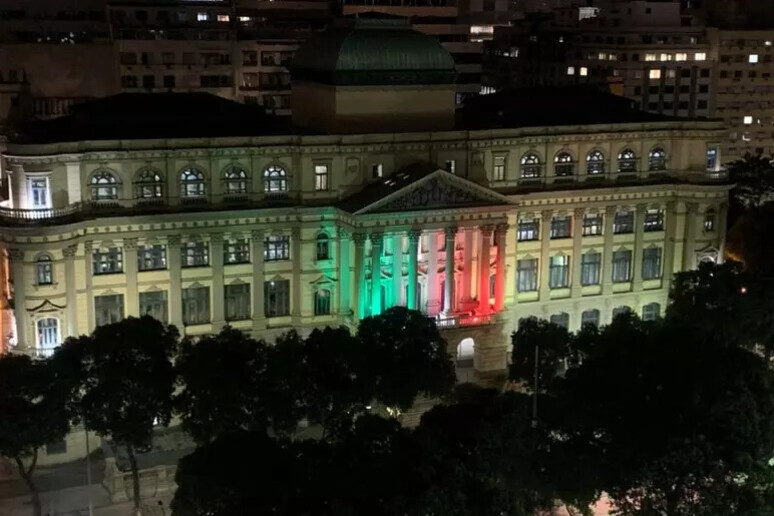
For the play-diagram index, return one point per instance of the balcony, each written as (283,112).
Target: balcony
(456,321)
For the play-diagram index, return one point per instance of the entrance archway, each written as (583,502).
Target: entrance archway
(466,349)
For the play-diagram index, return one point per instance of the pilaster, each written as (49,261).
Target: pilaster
(132,304)
(545,254)
(256,250)
(88,251)
(501,232)
(16,259)
(74,182)
(71,290)
(689,253)
(345,281)
(484,269)
(396,298)
(413,266)
(577,251)
(448,291)
(639,239)
(466,299)
(218,294)
(295,256)
(433,297)
(175,294)
(670,241)
(360,276)
(607,256)
(377,243)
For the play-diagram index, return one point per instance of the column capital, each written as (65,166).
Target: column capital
(257,234)
(641,207)
(173,241)
(579,212)
(295,232)
(216,238)
(546,215)
(70,251)
(487,229)
(414,235)
(501,228)
(88,245)
(130,243)
(377,238)
(15,254)
(691,207)
(343,233)
(359,239)
(450,232)
(611,210)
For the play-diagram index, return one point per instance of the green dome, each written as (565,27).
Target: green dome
(372,50)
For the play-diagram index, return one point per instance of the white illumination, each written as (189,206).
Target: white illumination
(650,57)
(748,120)
(655,73)
(700,56)
(666,57)
(244,19)
(570,70)
(584,71)
(223,17)
(753,58)
(482,29)
(202,16)
(681,56)
(767,43)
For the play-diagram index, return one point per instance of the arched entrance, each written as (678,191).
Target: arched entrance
(466,349)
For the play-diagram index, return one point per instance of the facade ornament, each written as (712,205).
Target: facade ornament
(257,235)
(450,232)
(414,236)
(501,229)
(15,255)
(173,241)
(70,251)
(359,239)
(216,238)
(130,243)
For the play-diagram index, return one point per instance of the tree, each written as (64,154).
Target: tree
(33,408)
(224,385)
(754,179)
(406,357)
(555,351)
(126,382)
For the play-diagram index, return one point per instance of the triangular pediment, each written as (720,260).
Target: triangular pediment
(438,190)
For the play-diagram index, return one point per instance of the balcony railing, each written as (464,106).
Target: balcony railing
(455,321)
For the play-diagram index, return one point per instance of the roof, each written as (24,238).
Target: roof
(381,189)
(155,115)
(373,49)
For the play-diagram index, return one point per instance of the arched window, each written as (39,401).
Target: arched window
(651,312)
(590,317)
(192,183)
(620,310)
(275,180)
(627,162)
(148,185)
(48,335)
(530,166)
(234,180)
(561,319)
(657,159)
(709,219)
(322,302)
(323,247)
(44,270)
(595,163)
(104,186)
(563,165)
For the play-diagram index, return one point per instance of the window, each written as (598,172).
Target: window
(528,230)
(223,17)
(654,220)
(236,251)
(44,270)
(700,56)
(650,57)
(627,162)
(320,178)
(322,302)
(681,56)
(559,272)
(275,180)
(622,265)
(584,71)
(657,159)
(48,335)
(234,180)
(595,163)
(237,299)
(148,185)
(108,309)
(651,312)
(591,267)
(169,81)
(621,310)
(451,166)
(712,158)
(563,166)
(202,16)
(651,263)
(561,227)
(195,254)
(654,73)
(377,170)
(748,120)
(592,225)
(276,247)
(151,257)
(154,304)
(323,247)
(530,166)
(191,183)
(499,168)
(38,192)
(196,305)
(103,186)
(590,317)
(128,81)
(527,275)
(276,298)
(570,70)
(709,220)
(107,261)
(623,222)
(752,58)
(561,319)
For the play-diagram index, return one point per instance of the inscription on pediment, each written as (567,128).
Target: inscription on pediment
(436,193)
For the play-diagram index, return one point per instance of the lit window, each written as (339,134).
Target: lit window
(602,56)
(748,120)
(651,263)
(196,305)
(322,302)
(700,56)
(681,56)
(107,261)
(148,185)
(671,74)
(559,272)
(202,16)
(103,186)
(709,220)
(657,159)
(48,335)
(44,271)
(377,170)
(276,248)
(276,298)
(499,168)
(323,247)
(666,57)
(195,254)
(767,43)
(584,71)
(627,162)
(528,230)
(530,166)
(451,166)
(655,73)
(650,57)
(595,163)
(753,58)
(244,19)
(108,309)
(223,17)
(191,183)
(151,257)
(237,301)
(275,180)
(563,166)
(38,192)
(235,180)
(236,251)
(570,70)
(320,178)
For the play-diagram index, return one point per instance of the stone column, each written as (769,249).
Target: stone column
(413,267)
(71,290)
(484,267)
(545,254)
(256,250)
(360,278)
(607,252)
(449,269)
(500,235)
(88,275)
(577,251)
(722,224)
(132,304)
(16,259)
(377,243)
(689,252)
(433,297)
(295,256)
(218,295)
(18,186)
(639,239)
(397,270)
(74,182)
(175,294)
(344,273)
(669,243)
(467,270)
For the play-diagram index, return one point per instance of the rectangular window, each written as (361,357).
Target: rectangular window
(559,272)
(377,170)
(322,302)
(108,309)
(151,257)
(528,230)
(320,178)
(591,267)
(623,222)
(128,81)
(196,305)
(622,266)
(561,227)
(195,254)
(44,271)
(451,166)
(169,81)
(651,263)
(499,168)
(276,248)
(655,73)
(276,298)
(590,317)
(527,275)
(236,251)
(148,81)
(700,56)
(654,220)
(237,299)
(107,261)
(154,304)
(38,192)
(592,225)
(712,158)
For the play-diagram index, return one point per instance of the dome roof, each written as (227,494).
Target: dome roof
(372,49)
